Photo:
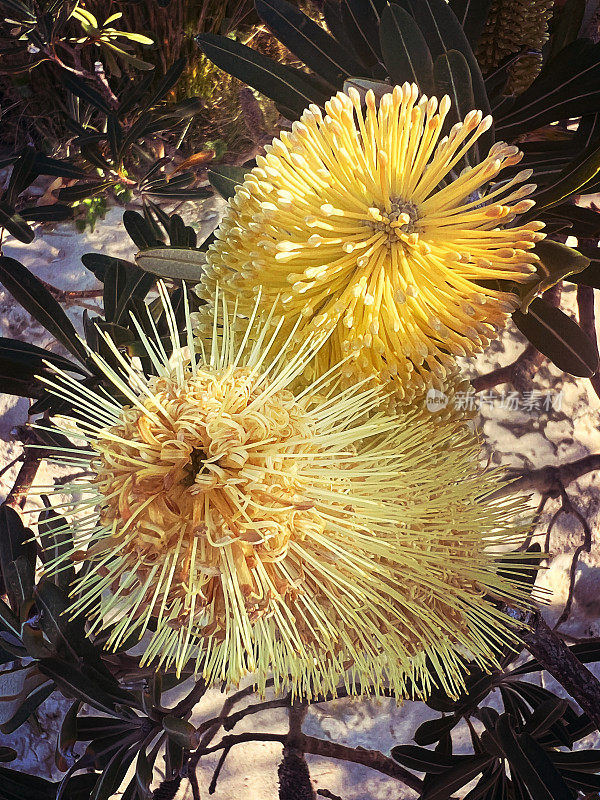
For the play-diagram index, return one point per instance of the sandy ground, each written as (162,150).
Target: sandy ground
(522,433)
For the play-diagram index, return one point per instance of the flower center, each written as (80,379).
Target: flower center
(399,221)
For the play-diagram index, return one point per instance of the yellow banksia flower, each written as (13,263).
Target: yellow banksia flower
(359,224)
(247,528)
(512,27)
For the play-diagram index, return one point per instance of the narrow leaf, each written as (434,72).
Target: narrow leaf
(558,337)
(31,293)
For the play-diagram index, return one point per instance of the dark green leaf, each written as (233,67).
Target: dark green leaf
(421,759)
(225,179)
(17,785)
(56,212)
(545,715)
(82,90)
(15,224)
(143,773)
(530,762)
(115,279)
(432,730)
(450,781)
(181,732)
(308,41)
(580,761)
(139,230)
(260,72)
(19,577)
(37,300)
(59,167)
(30,356)
(73,682)
(362,20)
(443,32)
(452,76)
(15,544)
(83,190)
(490,780)
(472,15)
(90,728)
(583,782)
(566,24)
(558,337)
(572,180)
(569,86)
(22,175)
(112,777)
(405,50)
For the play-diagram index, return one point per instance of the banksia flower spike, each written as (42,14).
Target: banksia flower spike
(359,223)
(244,527)
(515,27)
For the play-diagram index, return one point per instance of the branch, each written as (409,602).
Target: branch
(521,372)
(555,657)
(549,480)
(25,477)
(320,747)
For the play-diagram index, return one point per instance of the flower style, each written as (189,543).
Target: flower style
(245,527)
(359,222)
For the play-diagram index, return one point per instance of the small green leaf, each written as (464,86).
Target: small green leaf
(556,262)
(171,262)
(225,179)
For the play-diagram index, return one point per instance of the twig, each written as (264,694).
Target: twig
(213,784)
(587,321)
(569,508)
(233,719)
(555,657)
(328,794)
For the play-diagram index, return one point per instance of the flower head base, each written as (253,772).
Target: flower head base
(360,223)
(305,535)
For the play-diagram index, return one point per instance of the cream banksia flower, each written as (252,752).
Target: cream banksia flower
(247,528)
(360,224)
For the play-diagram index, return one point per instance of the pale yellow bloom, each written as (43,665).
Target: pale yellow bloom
(244,526)
(359,222)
